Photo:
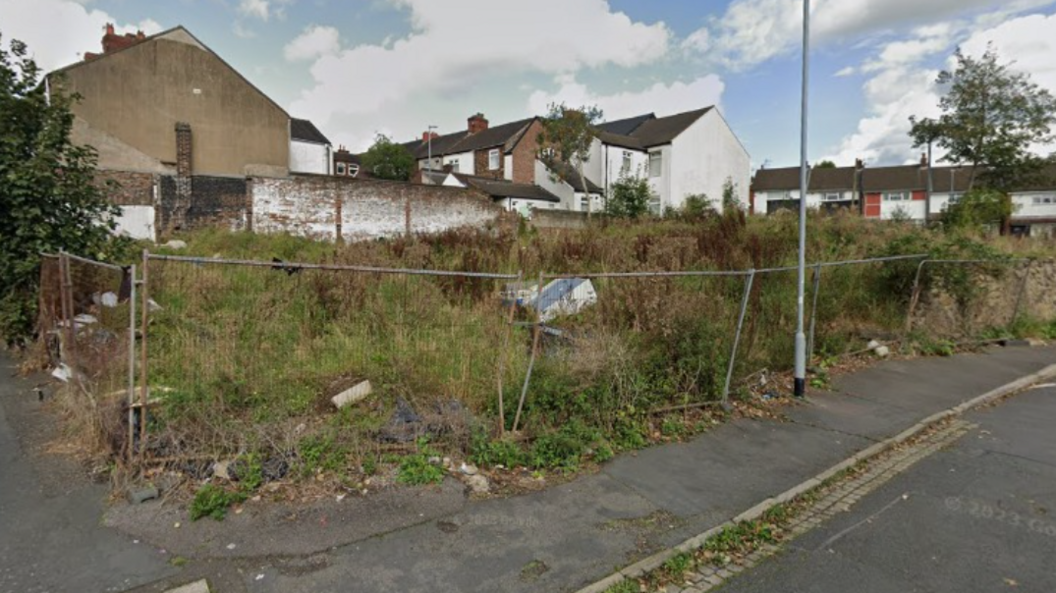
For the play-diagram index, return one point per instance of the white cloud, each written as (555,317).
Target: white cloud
(901,87)
(753,31)
(663,99)
(255,8)
(58,32)
(316,41)
(457,45)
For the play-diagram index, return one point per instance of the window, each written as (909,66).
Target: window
(455,165)
(954,198)
(656,164)
(340,168)
(896,196)
(493,159)
(353,170)
(1044,200)
(831,197)
(626,168)
(583,205)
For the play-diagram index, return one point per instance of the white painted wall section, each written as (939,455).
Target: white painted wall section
(136,222)
(703,157)
(309,157)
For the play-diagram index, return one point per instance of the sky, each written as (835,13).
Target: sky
(358,68)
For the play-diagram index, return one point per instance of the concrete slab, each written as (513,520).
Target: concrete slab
(734,463)
(195,587)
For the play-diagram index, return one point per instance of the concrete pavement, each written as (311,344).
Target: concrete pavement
(556,540)
(979,516)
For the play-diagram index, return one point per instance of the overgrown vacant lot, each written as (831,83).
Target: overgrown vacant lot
(244,360)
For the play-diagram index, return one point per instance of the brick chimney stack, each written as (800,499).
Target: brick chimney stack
(427,135)
(183,149)
(923,159)
(477,123)
(114,42)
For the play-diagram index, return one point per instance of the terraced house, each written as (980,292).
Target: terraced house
(901,192)
(687,154)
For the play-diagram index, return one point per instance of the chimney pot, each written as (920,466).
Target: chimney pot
(477,123)
(109,28)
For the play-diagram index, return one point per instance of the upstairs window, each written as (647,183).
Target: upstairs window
(455,165)
(340,168)
(493,159)
(1044,200)
(831,197)
(955,198)
(656,164)
(896,196)
(626,168)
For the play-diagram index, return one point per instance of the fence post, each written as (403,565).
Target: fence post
(1022,292)
(132,363)
(66,283)
(536,330)
(913,298)
(144,319)
(506,353)
(814,313)
(748,281)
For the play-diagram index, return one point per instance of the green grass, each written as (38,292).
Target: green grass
(245,354)
(213,501)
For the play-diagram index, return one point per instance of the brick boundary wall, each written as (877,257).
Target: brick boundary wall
(332,208)
(559,219)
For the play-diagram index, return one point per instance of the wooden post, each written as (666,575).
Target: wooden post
(66,283)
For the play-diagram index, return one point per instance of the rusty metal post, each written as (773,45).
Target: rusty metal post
(132,362)
(913,298)
(143,376)
(748,281)
(506,354)
(1022,292)
(536,331)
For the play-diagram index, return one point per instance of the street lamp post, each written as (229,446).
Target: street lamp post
(801,338)
(429,135)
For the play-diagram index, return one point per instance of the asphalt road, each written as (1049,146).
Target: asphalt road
(979,516)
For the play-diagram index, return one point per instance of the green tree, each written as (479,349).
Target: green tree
(566,140)
(630,197)
(387,160)
(977,208)
(730,200)
(991,116)
(825,165)
(49,199)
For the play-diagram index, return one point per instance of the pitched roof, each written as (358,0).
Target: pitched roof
(663,130)
(620,140)
(504,135)
(787,178)
(499,188)
(624,127)
(901,178)
(304,130)
(572,177)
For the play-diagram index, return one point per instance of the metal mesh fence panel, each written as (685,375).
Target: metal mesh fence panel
(956,300)
(244,352)
(626,343)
